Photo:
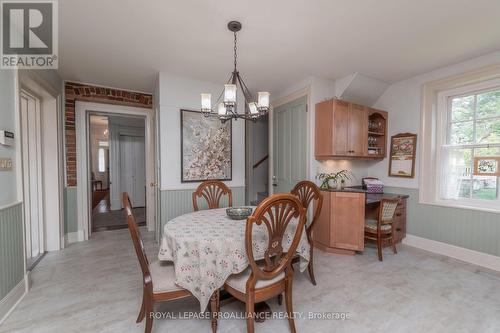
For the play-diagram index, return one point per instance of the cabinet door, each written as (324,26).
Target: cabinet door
(340,128)
(358,130)
(348,219)
(321,231)
(323,145)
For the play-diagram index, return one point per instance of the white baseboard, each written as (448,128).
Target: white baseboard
(470,256)
(73,237)
(12,299)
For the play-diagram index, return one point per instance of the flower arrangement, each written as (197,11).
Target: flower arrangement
(335,177)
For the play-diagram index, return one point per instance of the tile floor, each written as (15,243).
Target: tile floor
(96,287)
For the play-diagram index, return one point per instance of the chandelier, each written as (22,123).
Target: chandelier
(226,105)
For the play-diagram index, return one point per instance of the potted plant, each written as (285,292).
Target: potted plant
(331,180)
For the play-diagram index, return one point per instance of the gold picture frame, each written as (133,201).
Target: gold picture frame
(402,157)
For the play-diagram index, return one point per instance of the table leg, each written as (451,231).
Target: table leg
(262,309)
(214,309)
(262,312)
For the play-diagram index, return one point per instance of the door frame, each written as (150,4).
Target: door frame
(28,222)
(82,112)
(277,103)
(50,100)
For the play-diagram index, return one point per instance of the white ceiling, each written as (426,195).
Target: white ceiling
(125,43)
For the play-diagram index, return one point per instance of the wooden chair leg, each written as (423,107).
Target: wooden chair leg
(392,240)
(149,317)
(142,312)
(280,299)
(379,248)
(310,268)
(250,306)
(214,309)
(289,305)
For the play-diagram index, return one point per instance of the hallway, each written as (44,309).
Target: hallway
(103,218)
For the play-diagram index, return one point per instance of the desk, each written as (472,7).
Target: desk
(340,227)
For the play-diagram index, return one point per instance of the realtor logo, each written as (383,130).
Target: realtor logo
(29,34)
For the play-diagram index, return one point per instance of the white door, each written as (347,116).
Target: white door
(32,174)
(133,170)
(289,145)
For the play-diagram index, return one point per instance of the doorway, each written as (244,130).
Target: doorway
(289,145)
(83,111)
(116,151)
(31,141)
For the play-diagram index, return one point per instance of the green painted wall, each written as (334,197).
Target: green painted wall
(11,248)
(70,210)
(178,202)
(471,229)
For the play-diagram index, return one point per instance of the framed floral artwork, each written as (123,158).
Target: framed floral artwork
(206,150)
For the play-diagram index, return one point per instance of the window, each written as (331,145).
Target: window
(471,132)
(102,160)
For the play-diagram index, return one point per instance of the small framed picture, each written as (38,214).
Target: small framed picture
(487,166)
(402,158)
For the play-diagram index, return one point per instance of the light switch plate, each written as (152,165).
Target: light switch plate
(5,164)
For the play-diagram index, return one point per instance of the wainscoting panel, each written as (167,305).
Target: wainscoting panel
(470,229)
(11,248)
(70,210)
(178,202)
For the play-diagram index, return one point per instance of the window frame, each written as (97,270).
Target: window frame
(443,132)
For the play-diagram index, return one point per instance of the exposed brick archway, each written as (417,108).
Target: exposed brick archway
(84,92)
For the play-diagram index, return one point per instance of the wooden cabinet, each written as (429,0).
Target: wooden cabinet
(399,222)
(340,227)
(377,133)
(342,131)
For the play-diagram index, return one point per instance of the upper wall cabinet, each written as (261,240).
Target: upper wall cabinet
(347,130)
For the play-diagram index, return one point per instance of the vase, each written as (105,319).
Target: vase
(332,184)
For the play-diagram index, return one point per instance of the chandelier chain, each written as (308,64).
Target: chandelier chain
(235,48)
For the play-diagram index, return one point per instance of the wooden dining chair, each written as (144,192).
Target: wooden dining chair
(274,275)
(158,278)
(308,193)
(212,191)
(381,230)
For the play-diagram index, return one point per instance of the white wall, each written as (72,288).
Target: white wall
(403,102)
(175,93)
(8,184)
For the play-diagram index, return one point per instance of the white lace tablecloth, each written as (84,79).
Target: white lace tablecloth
(207,246)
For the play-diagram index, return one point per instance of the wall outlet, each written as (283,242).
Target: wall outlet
(5,164)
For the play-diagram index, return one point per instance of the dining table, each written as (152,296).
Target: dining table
(207,246)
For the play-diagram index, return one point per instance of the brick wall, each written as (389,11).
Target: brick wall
(83,92)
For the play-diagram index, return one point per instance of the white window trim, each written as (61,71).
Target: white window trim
(434,99)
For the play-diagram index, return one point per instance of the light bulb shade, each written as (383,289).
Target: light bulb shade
(229,93)
(263,99)
(253,108)
(206,101)
(221,109)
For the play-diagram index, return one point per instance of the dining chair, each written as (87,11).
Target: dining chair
(212,191)
(274,275)
(158,277)
(308,193)
(381,229)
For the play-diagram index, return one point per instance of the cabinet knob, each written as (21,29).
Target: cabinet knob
(398,214)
